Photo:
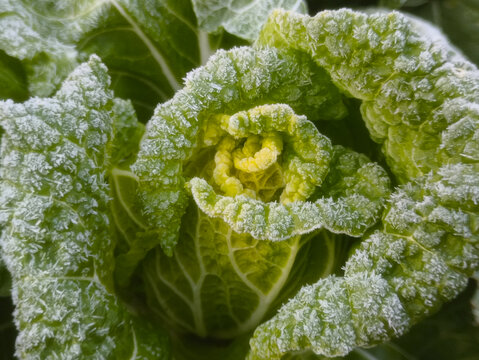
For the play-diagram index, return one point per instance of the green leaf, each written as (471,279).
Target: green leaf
(432,338)
(350,203)
(420,259)
(217,283)
(12,79)
(127,133)
(418,102)
(459,20)
(399,89)
(129,225)
(137,40)
(238,17)
(46,60)
(230,82)
(226,133)
(221,284)
(148,46)
(57,241)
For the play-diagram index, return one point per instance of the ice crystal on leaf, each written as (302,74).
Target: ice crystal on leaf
(57,241)
(427,246)
(229,212)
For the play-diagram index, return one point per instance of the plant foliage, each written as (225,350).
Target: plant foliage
(235,179)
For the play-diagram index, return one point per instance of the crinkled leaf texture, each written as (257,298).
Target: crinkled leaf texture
(229,83)
(222,168)
(419,100)
(56,240)
(148,46)
(458,19)
(250,163)
(241,18)
(50,38)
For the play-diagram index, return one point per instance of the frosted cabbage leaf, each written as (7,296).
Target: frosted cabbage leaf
(241,208)
(57,239)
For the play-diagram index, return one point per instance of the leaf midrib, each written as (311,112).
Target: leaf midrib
(151,47)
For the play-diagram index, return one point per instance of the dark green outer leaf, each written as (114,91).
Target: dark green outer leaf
(138,40)
(13,83)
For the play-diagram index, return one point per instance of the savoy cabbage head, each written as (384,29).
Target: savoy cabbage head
(296,186)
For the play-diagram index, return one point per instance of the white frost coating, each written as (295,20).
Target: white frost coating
(46,38)
(247,215)
(240,18)
(56,239)
(419,100)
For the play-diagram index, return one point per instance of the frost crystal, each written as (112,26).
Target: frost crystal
(56,240)
(420,101)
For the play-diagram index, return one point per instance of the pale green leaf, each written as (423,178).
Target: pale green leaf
(217,283)
(230,82)
(419,100)
(243,18)
(417,92)
(350,203)
(57,241)
(222,284)
(138,40)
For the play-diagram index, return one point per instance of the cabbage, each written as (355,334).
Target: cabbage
(312,193)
